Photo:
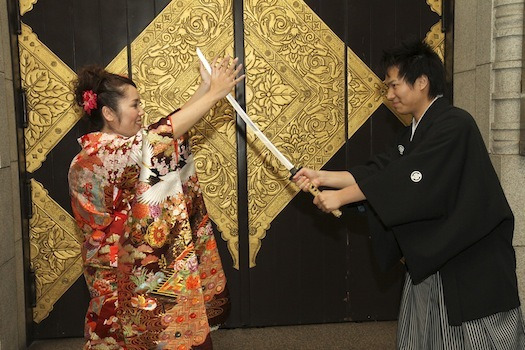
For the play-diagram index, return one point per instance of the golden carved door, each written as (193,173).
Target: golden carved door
(311,86)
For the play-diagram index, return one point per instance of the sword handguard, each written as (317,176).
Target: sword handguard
(314,191)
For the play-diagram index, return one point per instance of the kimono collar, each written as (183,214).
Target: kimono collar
(415,124)
(91,143)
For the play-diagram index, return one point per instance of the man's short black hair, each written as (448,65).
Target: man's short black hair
(415,59)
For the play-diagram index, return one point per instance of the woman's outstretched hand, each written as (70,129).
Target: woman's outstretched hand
(205,77)
(223,76)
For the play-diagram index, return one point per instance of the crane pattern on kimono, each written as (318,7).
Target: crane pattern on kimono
(162,186)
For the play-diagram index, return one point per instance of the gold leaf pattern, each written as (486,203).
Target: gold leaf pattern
(436,6)
(436,39)
(47,82)
(26,6)
(55,250)
(365,93)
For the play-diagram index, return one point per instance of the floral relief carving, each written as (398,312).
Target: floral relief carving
(47,82)
(295,95)
(55,250)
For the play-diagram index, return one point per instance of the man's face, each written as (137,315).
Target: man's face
(405,98)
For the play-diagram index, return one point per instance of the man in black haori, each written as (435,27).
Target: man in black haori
(435,202)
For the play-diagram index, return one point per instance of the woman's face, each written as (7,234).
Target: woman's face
(127,121)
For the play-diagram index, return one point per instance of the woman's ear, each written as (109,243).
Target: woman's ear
(108,114)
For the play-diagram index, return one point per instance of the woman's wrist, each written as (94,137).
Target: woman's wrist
(204,87)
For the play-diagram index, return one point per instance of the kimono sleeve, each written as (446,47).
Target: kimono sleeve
(87,199)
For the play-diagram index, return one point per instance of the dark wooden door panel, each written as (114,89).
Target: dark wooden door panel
(313,268)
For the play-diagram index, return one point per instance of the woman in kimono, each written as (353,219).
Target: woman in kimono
(150,257)
(435,202)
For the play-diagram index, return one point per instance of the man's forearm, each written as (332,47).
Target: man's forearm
(351,194)
(336,179)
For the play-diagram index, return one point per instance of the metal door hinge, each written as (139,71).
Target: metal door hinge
(32,287)
(24,120)
(28,202)
(18,22)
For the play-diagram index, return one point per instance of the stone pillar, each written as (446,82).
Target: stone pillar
(507,126)
(12,305)
(507,67)
(488,75)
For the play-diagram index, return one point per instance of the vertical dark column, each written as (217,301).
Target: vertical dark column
(242,174)
(129,40)
(346,9)
(447,18)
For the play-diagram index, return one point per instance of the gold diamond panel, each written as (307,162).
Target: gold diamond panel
(47,81)
(295,94)
(365,93)
(55,250)
(26,6)
(436,39)
(436,6)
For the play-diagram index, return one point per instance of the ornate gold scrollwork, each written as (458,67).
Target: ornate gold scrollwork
(436,39)
(47,82)
(55,250)
(295,94)
(26,6)
(436,6)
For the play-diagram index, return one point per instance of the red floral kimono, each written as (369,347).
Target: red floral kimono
(150,257)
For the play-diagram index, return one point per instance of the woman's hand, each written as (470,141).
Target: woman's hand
(223,76)
(222,79)
(205,77)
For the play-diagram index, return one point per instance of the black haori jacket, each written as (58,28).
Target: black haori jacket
(437,201)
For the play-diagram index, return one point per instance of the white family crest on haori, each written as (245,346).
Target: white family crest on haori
(416,176)
(165,185)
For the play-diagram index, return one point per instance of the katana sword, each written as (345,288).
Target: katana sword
(284,161)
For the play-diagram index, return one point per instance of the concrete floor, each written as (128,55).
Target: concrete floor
(335,336)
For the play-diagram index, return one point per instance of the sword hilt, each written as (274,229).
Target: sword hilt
(315,191)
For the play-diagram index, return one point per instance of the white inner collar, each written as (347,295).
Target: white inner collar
(415,124)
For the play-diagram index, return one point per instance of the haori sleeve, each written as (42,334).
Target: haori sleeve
(419,185)
(381,160)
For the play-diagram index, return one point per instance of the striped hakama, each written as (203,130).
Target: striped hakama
(423,323)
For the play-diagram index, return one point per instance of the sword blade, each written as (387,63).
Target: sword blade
(284,161)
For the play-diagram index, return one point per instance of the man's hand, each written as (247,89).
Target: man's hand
(306,176)
(328,201)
